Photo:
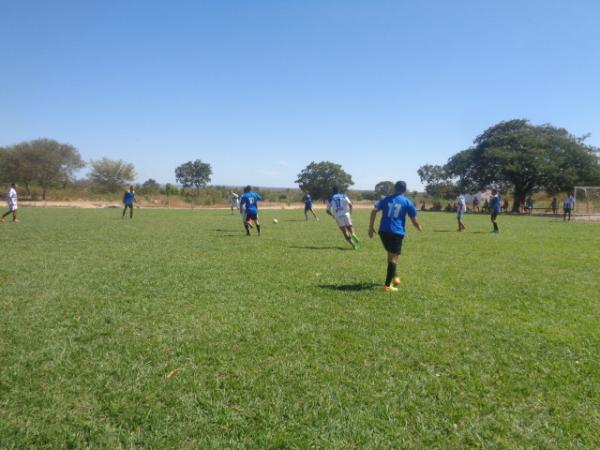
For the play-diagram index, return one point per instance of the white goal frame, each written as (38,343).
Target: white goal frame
(584,202)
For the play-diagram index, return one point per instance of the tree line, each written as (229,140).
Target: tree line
(513,156)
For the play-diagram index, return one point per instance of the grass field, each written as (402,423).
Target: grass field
(288,341)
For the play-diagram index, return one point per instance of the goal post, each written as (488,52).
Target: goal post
(587,200)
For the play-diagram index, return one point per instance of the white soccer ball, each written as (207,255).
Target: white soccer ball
(275,221)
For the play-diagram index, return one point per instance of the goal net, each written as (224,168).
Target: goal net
(587,200)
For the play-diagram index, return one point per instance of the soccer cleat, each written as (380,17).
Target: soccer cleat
(356,241)
(390,289)
(396,281)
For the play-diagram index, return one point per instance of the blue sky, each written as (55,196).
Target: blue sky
(258,89)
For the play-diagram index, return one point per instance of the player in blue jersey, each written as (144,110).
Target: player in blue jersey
(249,209)
(128,200)
(495,207)
(392,229)
(308,206)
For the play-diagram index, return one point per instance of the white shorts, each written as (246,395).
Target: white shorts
(344,221)
(12,208)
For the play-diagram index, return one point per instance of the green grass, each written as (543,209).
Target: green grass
(287,340)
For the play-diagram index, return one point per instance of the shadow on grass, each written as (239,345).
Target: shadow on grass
(314,247)
(354,287)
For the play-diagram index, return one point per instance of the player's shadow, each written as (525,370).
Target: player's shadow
(314,247)
(354,287)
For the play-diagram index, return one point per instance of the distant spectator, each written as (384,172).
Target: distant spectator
(529,203)
(505,205)
(494,207)
(485,206)
(461,209)
(568,205)
(475,204)
(554,205)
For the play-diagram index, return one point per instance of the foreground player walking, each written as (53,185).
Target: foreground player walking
(128,201)
(392,229)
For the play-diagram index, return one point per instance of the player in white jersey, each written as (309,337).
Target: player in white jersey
(340,208)
(235,202)
(461,209)
(11,200)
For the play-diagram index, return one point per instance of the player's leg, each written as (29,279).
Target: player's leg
(131,211)
(257,223)
(124,211)
(313,213)
(5,214)
(14,214)
(305,214)
(346,235)
(494,216)
(354,237)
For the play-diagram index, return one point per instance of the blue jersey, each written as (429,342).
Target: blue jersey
(494,204)
(249,202)
(129,198)
(395,208)
(308,202)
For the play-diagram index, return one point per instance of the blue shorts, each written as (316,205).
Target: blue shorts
(307,207)
(251,216)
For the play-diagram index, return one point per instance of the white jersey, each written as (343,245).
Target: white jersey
(11,198)
(235,200)
(339,205)
(461,204)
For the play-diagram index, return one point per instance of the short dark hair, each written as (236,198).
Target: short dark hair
(248,188)
(400,187)
(335,190)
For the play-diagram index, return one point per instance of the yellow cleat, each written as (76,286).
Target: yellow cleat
(390,289)
(396,281)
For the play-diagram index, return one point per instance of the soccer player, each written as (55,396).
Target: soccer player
(128,200)
(11,200)
(235,202)
(461,209)
(308,206)
(340,208)
(392,229)
(249,209)
(568,205)
(494,206)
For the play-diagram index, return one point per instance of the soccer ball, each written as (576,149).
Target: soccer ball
(275,221)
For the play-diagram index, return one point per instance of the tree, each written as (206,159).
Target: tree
(384,188)
(320,178)
(193,174)
(523,158)
(111,176)
(150,186)
(438,181)
(43,161)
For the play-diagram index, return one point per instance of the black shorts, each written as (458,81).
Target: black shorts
(391,242)
(251,216)
(494,216)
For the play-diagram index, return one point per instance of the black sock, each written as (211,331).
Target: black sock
(258,228)
(391,271)
(496,227)
(247,228)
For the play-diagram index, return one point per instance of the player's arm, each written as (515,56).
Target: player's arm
(412,213)
(374,212)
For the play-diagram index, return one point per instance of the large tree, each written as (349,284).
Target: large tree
(43,161)
(193,174)
(108,175)
(320,178)
(523,158)
(437,181)
(384,188)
